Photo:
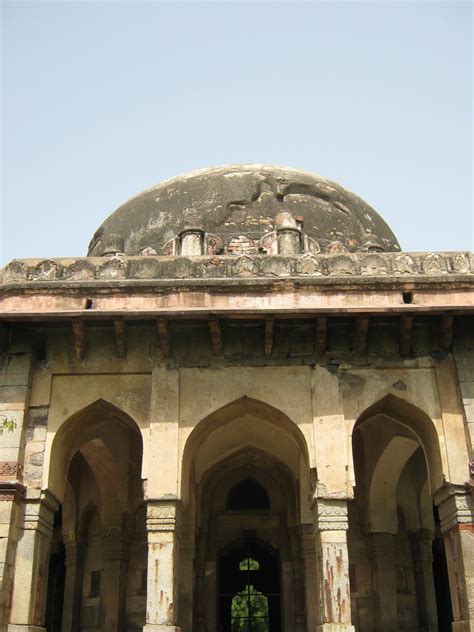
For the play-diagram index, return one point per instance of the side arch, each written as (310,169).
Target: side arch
(418,423)
(78,429)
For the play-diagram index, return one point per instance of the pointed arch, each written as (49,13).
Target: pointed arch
(283,426)
(87,513)
(418,423)
(77,430)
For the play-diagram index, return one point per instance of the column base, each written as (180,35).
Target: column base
(335,627)
(19,627)
(462,626)
(158,627)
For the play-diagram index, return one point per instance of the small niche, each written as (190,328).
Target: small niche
(88,303)
(407,297)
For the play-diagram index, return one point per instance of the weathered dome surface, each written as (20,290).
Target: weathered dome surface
(239,206)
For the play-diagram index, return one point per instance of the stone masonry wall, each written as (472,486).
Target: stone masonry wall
(464,357)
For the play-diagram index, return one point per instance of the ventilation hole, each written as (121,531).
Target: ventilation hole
(407,297)
(88,304)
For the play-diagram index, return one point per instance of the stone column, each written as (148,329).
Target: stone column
(287,593)
(200,595)
(308,551)
(456,509)
(330,532)
(422,552)
(31,565)
(116,543)
(162,528)
(382,553)
(186,576)
(298,591)
(75,555)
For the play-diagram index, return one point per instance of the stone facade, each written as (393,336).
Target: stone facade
(198,434)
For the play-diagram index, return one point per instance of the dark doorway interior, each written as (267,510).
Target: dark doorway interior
(249,589)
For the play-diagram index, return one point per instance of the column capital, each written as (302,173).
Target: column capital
(455,506)
(116,542)
(75,552)
(39,513)
(381,546)
(330,514)
(163,514)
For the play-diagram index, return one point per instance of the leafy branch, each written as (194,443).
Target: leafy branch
(7,424)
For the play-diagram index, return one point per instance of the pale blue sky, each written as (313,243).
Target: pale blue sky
(103,99)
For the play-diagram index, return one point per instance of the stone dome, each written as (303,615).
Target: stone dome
(238,209)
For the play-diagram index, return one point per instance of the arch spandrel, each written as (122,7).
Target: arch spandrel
(285,389)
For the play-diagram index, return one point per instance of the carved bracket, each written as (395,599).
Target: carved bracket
(361,333)
(406,327)
(120,333)
(163,337)
(79,332)
(321,334)
(269,321)
(216,336)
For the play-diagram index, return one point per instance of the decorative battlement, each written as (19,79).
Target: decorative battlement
(120,268)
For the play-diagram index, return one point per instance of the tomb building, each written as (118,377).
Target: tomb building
(245,410)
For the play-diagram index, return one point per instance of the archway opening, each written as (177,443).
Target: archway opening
(96,460)
(248,473)
(392,529)
(249,588)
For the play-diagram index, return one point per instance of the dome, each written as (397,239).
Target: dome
(238,209)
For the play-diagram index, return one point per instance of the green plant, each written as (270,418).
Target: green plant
(7,424)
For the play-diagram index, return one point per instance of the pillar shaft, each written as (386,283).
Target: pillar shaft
(116,544)
(383,562)
(31,565)
(330,531)
(75,553)
(422,553)
(162,528)
(456,507)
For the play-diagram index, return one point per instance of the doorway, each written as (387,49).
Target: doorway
(249,588)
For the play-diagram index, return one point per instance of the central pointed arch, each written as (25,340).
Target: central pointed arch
(222,417)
